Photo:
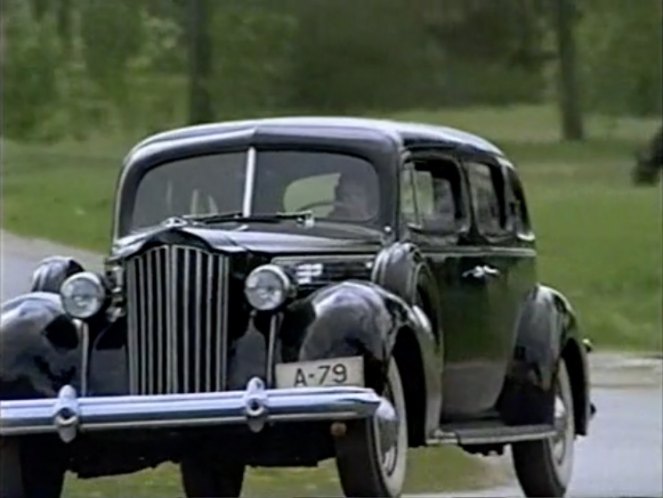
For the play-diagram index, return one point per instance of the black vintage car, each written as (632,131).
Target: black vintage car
(284,291)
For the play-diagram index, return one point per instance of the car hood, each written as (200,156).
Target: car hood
(268,238)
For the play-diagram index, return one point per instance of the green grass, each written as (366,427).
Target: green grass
(430,471)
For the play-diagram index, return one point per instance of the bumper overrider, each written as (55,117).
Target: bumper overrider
(67,415)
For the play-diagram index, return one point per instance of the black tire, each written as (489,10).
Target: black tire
(31,468)
(544,467)
(204,478)
(362,468)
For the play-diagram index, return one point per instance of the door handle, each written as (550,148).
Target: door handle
(481,272)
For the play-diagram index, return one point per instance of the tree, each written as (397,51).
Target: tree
(568,97)
(64,13)
(200,62)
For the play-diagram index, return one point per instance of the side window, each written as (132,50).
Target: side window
(517,209)
(439,196)
(486,186)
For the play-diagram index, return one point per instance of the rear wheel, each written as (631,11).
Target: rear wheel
(544,467)
(372,456)
(203,478)
(31,468)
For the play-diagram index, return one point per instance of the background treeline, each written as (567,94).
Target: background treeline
(75,67)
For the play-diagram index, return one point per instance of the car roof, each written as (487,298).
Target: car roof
(404,133)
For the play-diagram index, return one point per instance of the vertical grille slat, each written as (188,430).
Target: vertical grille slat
(217,342)
(187,330)
(174,305)
(223,319)
(132,324)
(200,313)
(143,324)
(209,326)
(177,314)
(150,283)
(160,326)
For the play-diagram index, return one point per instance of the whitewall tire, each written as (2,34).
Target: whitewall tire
(372,457)
(544,467)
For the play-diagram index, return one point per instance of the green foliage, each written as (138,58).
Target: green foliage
(82,66)
(30,86)
(253,44)
(353,56)
(621,53)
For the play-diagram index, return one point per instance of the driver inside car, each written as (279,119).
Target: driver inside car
(353,199)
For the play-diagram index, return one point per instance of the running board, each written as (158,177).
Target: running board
(468,434)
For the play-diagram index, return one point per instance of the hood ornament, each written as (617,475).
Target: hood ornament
(174,222)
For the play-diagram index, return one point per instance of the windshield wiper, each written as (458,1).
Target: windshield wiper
(303,217)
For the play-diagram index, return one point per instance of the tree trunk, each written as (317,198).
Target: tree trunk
(200,62)
(64,24)
(569,99)
(39,9)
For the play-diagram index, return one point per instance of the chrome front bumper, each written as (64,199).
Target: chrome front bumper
(67,415)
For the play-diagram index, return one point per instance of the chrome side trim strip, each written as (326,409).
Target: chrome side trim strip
(492,435)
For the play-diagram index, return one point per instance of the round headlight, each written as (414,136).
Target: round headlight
(267,287)
(83,294)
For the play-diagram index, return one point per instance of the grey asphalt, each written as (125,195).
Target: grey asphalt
(623,456)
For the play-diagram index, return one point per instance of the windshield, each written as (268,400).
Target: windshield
(333,186)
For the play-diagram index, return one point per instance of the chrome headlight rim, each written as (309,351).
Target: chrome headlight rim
(67,294)
(286,288)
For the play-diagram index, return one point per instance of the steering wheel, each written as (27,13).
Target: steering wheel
(316,204)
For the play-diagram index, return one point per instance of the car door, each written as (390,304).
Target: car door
(439,223)
(500,266)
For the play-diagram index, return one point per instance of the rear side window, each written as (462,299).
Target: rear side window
(486,187)
(517,205)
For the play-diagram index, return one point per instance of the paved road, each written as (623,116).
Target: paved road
(623,454)
(622,457)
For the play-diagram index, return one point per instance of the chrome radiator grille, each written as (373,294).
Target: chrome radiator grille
(177,316)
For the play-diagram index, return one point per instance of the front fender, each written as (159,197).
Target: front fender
(361,318)
(41,347)
(546,331)
(51,272)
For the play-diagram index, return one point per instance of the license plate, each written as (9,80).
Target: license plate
(332,372)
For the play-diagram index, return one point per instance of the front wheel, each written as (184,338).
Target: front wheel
(31,468)
(203,478)
(544,467)
(371,457)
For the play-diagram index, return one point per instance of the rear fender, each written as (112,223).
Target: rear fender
(547,327)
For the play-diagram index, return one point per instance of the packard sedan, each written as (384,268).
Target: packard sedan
(284,291)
